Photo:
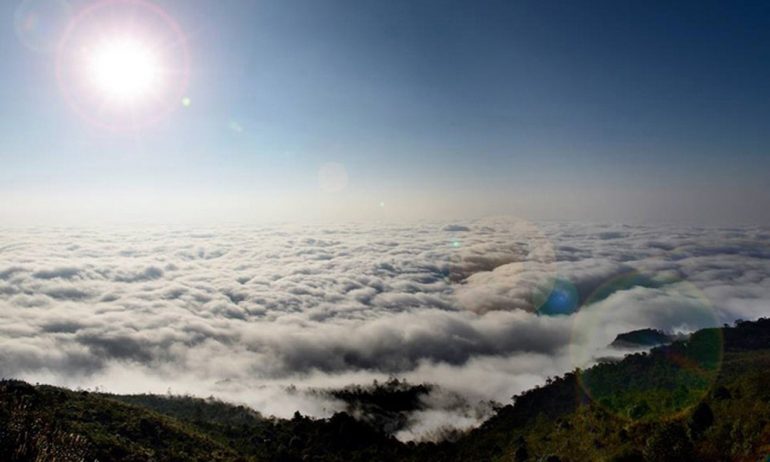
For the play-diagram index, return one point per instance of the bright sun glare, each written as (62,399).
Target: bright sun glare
(124,70)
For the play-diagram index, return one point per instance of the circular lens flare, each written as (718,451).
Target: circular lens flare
(558,297)
(665,382)
(40,24)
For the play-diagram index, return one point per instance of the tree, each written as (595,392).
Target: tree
(701,419)
(669,443)
(522,454)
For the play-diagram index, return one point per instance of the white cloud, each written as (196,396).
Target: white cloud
(243,312)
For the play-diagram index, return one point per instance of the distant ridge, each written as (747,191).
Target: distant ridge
(642,338)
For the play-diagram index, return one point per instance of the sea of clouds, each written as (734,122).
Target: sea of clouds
(242,313)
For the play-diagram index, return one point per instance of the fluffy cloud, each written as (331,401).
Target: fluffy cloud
(244,312)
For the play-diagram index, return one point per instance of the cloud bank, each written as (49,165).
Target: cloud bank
(244,312)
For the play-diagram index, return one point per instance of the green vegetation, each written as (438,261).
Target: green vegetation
(701,399)
(383,406)
(642,338)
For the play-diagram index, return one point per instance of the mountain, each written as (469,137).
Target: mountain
(642,338)
(702,398)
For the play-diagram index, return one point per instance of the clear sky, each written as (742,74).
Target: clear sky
(358,110)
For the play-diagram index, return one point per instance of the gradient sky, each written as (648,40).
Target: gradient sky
(601,110)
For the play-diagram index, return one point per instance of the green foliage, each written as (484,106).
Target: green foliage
(669,443)
(702,399)
(384,406)
(663,383)
(52,424)
(642,337)
(705,398)
(700,420)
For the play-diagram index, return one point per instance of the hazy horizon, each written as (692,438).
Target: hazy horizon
(292,111)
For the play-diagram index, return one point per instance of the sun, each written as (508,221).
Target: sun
(123,65)
(124,70)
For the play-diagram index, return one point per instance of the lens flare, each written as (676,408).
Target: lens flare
(40,24)
(235,127)
(332,177)
(675,377)
(558,297)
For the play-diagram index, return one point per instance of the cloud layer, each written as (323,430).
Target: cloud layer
(243,312)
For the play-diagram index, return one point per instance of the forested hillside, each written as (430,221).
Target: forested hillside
(701,399)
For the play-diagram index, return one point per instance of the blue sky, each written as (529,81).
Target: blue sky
(600,110)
